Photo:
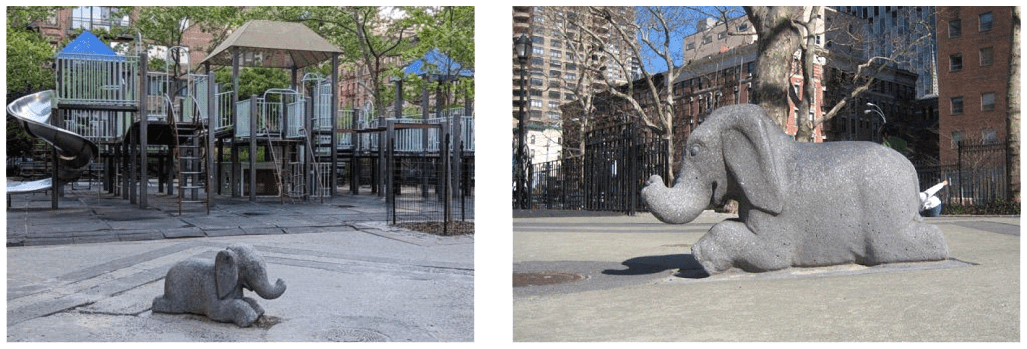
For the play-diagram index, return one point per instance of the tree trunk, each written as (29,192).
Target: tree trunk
(1013,116)
(777,41)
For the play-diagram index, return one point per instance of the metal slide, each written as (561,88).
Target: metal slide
(73,150)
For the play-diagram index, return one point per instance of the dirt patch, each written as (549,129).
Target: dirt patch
(265,322)
(437,228)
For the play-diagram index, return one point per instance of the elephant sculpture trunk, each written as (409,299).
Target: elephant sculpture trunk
(215,289)
(262,286)
(673,205)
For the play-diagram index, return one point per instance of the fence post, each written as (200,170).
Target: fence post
(959,169)
(446,181)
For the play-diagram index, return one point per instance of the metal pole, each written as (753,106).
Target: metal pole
(521,156)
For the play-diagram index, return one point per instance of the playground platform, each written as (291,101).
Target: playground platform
(90,270)
(632,278)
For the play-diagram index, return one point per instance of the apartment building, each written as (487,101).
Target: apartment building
(554,72)
(974,49)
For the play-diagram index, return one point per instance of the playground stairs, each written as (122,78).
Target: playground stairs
(190,150)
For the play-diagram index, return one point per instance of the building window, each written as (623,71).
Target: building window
(554,94)
(536,50)
(554,105)
(555,53)
(988,101)
(554,115)
(957,138)
(956,62)
(538,40)
(987,56)
(989,136)
(985,21)
(536,103)
(555,43)
(537,61)
(90,17)
(554,73)
(955,28)
(707,39)
(743,27)
(536,82)
(536,93)
(532,142)
(690,46)
(721,35)
(957,105)
(555,64)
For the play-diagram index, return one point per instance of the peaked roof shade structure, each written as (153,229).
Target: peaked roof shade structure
(435,62)
(264,43)
(87,45)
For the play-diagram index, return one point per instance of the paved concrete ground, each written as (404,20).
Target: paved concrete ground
(89,271)
(639,282)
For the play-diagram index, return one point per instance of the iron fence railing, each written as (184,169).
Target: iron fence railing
(977,177)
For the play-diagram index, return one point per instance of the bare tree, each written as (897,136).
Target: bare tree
(653,35)
(790,41)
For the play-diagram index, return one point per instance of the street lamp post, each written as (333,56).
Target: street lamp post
(879,112)
(522,48)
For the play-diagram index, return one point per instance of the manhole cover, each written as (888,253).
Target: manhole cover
(543,278)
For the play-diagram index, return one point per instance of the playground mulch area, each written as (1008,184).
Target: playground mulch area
(439,228)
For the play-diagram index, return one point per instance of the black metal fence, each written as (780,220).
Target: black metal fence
(977,177)
(420,186)
(609,177)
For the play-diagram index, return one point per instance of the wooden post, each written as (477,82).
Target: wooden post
(144,178)
(334,110)
(235,118)
(253,147)
(211,106)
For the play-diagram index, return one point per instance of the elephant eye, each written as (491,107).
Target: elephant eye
(693,150)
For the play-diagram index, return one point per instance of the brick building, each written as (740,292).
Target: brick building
(973,56)
(104,21)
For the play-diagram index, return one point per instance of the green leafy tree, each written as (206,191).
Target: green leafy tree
(29,67)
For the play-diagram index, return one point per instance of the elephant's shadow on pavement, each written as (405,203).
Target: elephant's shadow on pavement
(686,265)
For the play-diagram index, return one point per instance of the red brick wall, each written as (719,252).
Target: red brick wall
(972,80)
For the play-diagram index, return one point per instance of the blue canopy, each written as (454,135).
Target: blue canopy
(435,62)
(86,45)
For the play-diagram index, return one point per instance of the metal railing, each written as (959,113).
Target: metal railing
(223,111)
(91,79)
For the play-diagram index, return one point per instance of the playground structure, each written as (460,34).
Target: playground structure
(110,113)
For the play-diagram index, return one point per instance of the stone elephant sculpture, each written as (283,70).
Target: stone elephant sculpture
(799,204)
(215,289)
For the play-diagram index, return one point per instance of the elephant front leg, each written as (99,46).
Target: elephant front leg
(236,311)
(253,303)
(731,244)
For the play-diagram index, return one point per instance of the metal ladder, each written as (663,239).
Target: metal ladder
(278,166)
(190,157)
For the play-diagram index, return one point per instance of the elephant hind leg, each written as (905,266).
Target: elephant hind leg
(917,242)
(731,244)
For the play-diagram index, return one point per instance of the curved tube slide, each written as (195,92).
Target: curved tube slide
(33,110)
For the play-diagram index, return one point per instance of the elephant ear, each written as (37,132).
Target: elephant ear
(751,159)
(226,273)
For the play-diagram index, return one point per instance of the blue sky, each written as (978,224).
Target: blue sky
(690,16)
